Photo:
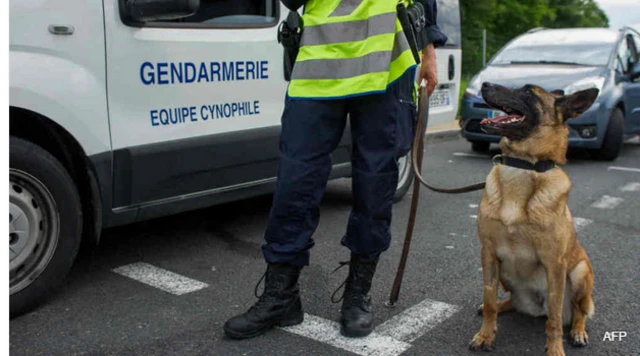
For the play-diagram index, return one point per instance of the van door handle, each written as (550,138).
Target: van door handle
(452,65)
(61,29)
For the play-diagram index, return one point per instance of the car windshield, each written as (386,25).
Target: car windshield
(559,48)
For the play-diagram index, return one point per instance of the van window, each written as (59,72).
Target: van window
(449,21)
(229,13)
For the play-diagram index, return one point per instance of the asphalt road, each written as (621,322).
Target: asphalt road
(101,312)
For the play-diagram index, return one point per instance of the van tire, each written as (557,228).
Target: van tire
(613,138)
(44,206)
(405,177)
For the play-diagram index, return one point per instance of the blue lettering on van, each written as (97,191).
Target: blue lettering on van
(185,114)
(189,78)
(147,76)
(163,73)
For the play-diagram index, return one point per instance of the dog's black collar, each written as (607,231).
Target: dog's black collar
(540,166)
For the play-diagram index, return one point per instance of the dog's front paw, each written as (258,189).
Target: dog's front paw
(483,341)
(579,338)
(555,348)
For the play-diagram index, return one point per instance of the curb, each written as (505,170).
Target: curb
(442,135)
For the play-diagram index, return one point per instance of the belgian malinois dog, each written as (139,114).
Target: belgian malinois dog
(526,230)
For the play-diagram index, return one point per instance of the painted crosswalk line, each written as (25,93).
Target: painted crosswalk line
(625,169)
(607,202)
(390,338)
(327,331)
(631,187)
(416,321)
(580,223)
(464,154)
(160,278)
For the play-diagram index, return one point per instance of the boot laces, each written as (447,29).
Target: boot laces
(352,296)
(269,293)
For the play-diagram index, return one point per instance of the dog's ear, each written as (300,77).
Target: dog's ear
(574,105)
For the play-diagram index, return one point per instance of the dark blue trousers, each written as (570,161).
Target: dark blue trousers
(382,128)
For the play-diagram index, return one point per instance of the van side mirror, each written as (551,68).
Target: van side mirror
(156,10)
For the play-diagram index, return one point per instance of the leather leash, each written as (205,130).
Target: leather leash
(417,152)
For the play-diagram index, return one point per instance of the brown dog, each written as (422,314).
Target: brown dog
(526,230)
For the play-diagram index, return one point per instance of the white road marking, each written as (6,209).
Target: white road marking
(449,247)
(607,202)
(414,322)
(579,223)
(160,278)
(327,331)
(631,187)
(464,154)
(628,169)
(452,234)
(473,205)
(473,216)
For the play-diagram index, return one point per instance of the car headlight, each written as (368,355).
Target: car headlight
(473,88)
(585,83)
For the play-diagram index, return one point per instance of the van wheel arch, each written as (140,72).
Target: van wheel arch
(42,131)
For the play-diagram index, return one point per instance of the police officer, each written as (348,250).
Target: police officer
(354,59)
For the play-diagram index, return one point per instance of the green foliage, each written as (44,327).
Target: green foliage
(506,19)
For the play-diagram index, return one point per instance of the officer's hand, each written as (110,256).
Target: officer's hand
(429,69)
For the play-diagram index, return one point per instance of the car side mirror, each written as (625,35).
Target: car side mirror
(635,71)
(156,10)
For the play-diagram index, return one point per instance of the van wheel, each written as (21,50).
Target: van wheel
(613,139)
(405,177)
(45,224)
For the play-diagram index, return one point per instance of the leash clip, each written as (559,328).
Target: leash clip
(495,158)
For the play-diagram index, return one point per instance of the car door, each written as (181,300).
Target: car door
(194,103)
(632,87)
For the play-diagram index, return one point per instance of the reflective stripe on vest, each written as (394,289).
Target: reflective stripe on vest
(348,48)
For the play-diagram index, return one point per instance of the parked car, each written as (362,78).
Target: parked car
(572,60)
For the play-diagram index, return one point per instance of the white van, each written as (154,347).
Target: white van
(116,119)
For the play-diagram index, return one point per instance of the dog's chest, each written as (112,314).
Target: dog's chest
(519,197)
(517,187)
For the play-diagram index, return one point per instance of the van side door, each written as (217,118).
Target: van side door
(194,103)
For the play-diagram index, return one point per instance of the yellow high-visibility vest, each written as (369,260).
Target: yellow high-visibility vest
(349,48)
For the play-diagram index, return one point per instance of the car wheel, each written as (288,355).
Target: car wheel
(478,146)
(613,138)
(405,177)
(45,223)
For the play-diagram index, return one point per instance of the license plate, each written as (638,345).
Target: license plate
(439,98)
(495,113)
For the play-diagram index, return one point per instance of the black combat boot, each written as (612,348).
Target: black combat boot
(357,316)
(279,304)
